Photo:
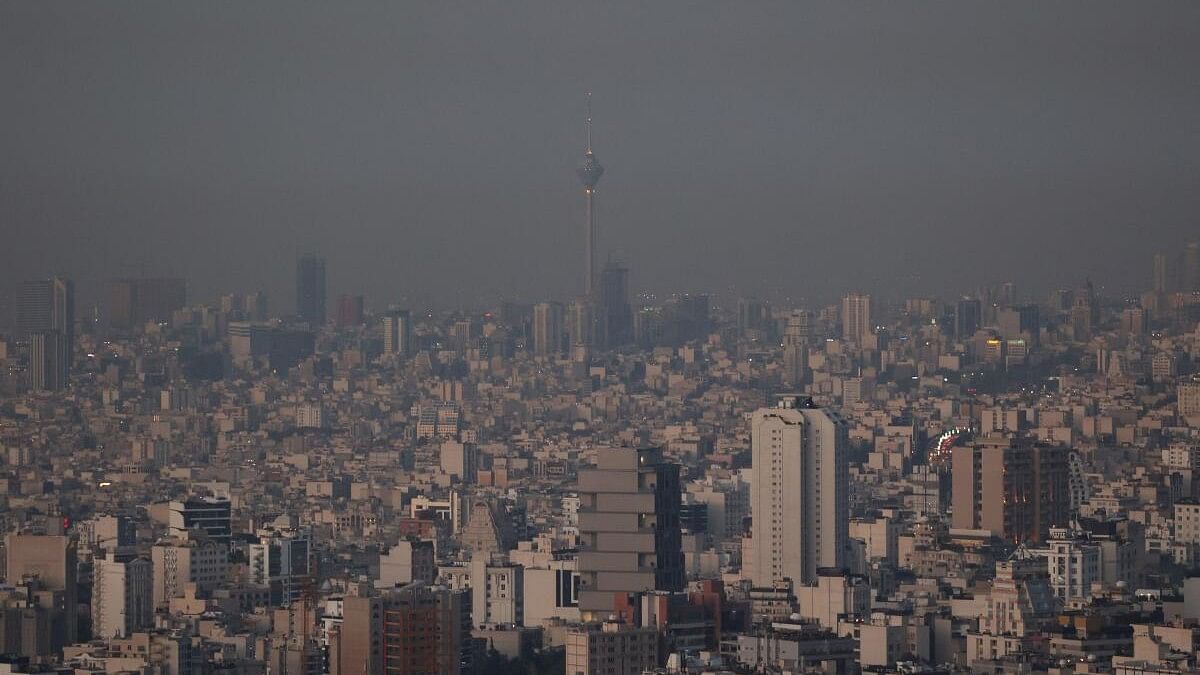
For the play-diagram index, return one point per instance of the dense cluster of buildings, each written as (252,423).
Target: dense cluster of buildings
(613,486)
(609,486)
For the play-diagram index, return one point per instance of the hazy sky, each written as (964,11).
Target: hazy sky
(427,149)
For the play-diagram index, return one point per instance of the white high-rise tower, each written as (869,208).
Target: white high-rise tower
(800,491)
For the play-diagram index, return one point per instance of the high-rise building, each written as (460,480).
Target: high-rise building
(856,317)
(47,304)
(968,317)
(753,315)
(497,592)
(1075,563)
(1191,267)
(615,323)
(589,174)
(579,322)
(49,360)
(1020,321)
(799,491)
(204,513)
(281,562)
(52,559)
(122,596)
(397,332)
(1161,273)
(1015,487)
(194,558)
(46,316)
(1187,396)
(349,310)
(795,349)
(414,630)
(134,302)
(797,331)
(255,306)
(630,539)
(547,328)
(310,289)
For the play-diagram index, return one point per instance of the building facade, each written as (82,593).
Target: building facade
(799,491)
(630,539)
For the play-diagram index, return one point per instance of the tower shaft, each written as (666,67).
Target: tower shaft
(589,252)
(589,174)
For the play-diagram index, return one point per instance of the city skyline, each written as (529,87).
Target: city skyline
(700,182)
(879,354)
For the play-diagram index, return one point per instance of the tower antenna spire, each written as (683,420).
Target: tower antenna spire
(588,124)
(589,174)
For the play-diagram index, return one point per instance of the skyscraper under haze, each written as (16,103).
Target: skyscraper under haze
(856,317)
(349,310)
(1191,268)
(397,332)
(968,317)
(799,493)
(1160,273)
(795,349)
(310,289)
(615,320)
(579,322)
(547,328)
(46,316)
(134,302)
(47,304)
(49,360)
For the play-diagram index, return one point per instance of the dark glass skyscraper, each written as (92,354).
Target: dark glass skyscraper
(46,316)
(46,304)
(968,316)
(615,321)
(310,289)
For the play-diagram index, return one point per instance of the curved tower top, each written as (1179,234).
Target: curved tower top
(590,171)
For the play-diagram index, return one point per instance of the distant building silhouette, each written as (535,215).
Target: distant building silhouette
(397,332)
(310,289)
(614,323)
(547,328)
(46,316)
(134,302)
(349,310)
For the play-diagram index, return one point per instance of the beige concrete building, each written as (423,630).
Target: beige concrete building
(192,559)
(835,597)
(415,630)
(547,328)
(856,318)
(611,648)
(799,499)
(122,597)
(408,561)
(1013,486)
(52,559)
(629,533)
(497,592)
(1188,395)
